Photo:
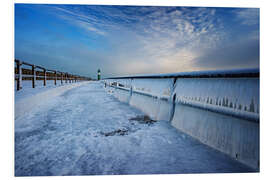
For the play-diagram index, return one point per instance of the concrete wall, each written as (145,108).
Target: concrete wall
(236,137)
(220,112)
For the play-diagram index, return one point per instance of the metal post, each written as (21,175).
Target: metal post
(34,76)
(19,80)
(44,80)
(173,98)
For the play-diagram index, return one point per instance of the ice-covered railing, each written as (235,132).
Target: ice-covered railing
(233,96)
(219,108)
(158,88)
(231,92)
(199,74)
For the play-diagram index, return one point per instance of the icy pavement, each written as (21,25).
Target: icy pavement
(86,131)
(28,91)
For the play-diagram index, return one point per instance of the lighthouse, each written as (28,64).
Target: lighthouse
(98,76)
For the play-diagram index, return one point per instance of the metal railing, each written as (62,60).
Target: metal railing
(237,73)
(221,106)
(45,74)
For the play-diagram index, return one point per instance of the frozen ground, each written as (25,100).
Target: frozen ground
(27,89)
(86,131)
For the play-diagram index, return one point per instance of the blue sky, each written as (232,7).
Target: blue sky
(125,40)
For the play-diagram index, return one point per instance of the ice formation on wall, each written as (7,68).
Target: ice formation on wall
(235,96)
(232,96)
(155,87)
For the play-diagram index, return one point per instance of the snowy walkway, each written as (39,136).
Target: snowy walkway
(86,131)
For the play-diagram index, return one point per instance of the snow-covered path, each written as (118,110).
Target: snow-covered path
(86,131)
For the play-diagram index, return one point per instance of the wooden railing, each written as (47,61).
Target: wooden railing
(45,74)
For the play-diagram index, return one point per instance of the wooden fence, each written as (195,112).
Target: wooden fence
(43,74)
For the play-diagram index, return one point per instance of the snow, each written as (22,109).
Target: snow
(28,98)
(27,89)
(64,135)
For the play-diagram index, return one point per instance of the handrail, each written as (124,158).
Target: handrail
(57,74)
(251,115)
(236,73)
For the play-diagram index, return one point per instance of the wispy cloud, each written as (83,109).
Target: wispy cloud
(131,39)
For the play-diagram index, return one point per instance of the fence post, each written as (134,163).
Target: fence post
(61,78)
(44,80)
(34,76)
(55,77)
(65,77)
(19,69)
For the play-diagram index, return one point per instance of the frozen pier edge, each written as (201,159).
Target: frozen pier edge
(218,108)
(84,129)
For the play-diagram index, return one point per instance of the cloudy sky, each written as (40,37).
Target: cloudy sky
(125,40)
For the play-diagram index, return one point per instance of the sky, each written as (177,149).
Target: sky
(129,40)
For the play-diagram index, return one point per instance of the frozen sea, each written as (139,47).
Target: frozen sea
(82,129)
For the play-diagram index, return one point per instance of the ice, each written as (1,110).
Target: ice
(155,87)
(66,136)
(121,94)
(234,96)
(237,97)
(156,108)
(236,137)
(148,95)
(213,110)
(160,88)
(126,83)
